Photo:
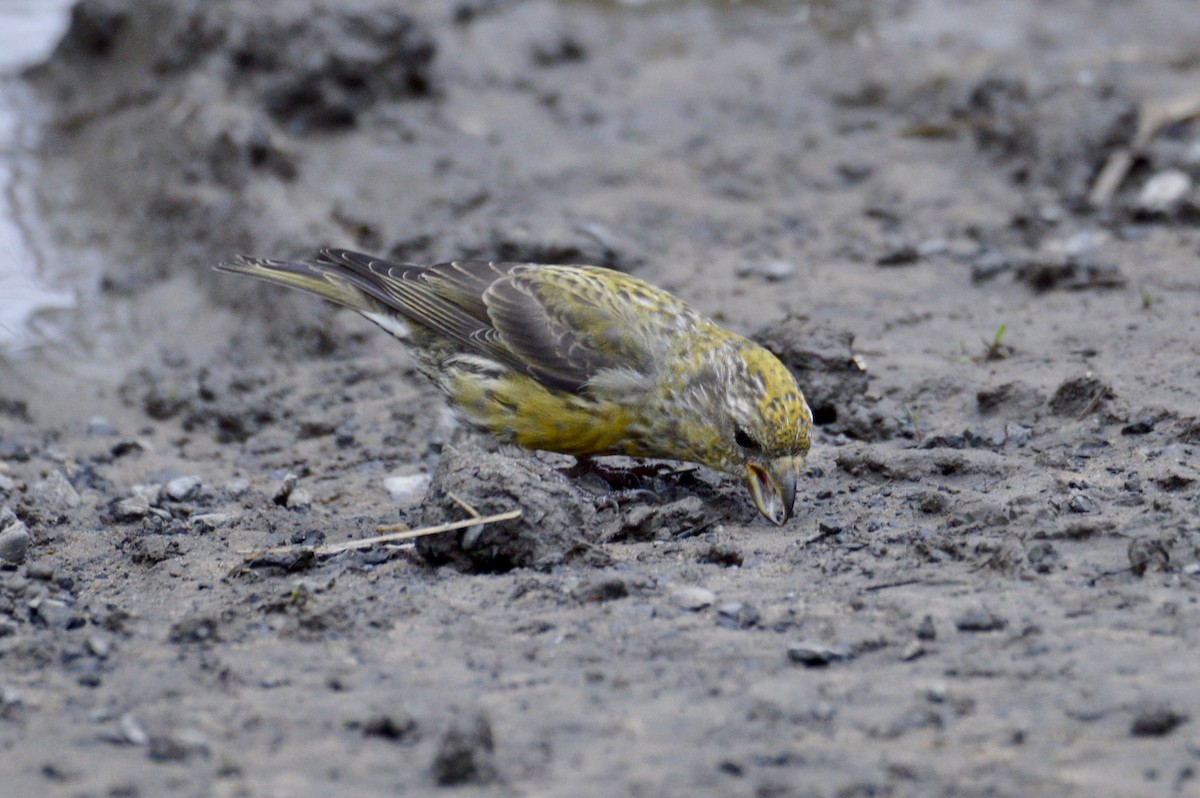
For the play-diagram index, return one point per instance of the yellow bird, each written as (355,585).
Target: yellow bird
(580,360)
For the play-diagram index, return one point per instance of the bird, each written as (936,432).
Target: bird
(582,360)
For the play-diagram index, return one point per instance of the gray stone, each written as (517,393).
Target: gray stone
(773,271)
(692,598)
(40,570)
(98,646)
(14,543)
(207,522)
(979,619)
(406,487)
(286,486)
(1016,434)
(131,508)
(183,488)
(131,730)
(99,425)
(927,631)
(55,493)
(737,615)
(814,654)
(54,613)
(1164,192)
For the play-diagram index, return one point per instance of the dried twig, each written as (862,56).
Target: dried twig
(404,534)
(471,511)
(1152,118)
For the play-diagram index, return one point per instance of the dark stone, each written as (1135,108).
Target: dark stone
(465,754)
(979,619)
(812,654)
(1156,721)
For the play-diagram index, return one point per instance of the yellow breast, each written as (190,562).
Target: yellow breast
(517,409)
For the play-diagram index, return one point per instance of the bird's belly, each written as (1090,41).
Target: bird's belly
(518,409)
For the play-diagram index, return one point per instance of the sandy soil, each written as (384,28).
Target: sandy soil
(991,584)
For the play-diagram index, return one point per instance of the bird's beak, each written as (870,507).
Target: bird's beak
(773,487)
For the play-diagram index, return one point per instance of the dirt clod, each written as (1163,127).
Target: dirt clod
(823,361)
(1078,396)
(557,520)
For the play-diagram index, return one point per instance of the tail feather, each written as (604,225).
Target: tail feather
(323,279)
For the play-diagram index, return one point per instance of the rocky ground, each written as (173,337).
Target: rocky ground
(991,584)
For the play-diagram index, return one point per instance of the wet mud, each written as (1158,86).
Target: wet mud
(969,229)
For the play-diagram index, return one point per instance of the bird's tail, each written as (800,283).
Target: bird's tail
(326,280)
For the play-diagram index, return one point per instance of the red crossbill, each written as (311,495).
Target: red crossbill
(580,360)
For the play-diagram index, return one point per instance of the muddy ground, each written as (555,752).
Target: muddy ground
(991,584)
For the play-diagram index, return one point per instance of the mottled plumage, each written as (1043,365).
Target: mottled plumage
(580,360)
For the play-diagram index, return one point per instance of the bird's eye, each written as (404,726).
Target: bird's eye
(743,439)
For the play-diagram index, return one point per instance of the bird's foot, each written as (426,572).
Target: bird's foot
(614,486)
(645,477)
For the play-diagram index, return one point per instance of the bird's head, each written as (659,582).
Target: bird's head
(762,428)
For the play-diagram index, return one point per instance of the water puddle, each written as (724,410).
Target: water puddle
(28,31)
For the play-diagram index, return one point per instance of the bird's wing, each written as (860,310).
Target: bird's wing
(567,323)
(416,293)
(559,324)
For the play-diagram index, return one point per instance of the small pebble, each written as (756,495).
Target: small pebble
(406,488)
(99,425)
(813,654)
(927,631)
(1156,722)
(989,264)
(236,487)
(1164,192)
(132,508)
(14,543)
(933,246)
(7,483)
(208,522)
(183,488)
(54,613)
(465,754)
(10,701)
(692,598)
(177,747)
(55,492)
(286,486)
(979,619)
(131,730)
(98,646)
(1081,504)
(900,254)
(604,589)
(773,271)
(737,615)
(1016,434)
(298,498)
(913,650)
(1147,554)
(40,569)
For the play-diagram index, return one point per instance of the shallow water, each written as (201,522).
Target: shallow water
(28,31)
